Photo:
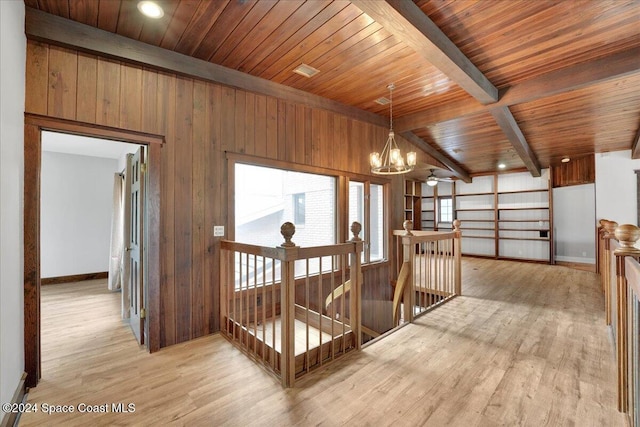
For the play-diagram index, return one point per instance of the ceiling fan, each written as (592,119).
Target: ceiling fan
(432,180)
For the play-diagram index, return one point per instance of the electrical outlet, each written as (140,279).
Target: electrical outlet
(218,230)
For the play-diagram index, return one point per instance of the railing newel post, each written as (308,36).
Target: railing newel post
(627,235)
(288,251)
(457,248)
(355,300)
(608,234)
(408,255)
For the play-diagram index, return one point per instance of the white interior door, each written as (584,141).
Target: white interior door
(135,170)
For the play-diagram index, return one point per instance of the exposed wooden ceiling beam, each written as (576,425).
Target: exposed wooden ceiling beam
(407,21)
(542,86)
(635,146)
(427,148)
(508,124)
(48,28)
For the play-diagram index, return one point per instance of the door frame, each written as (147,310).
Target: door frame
(33,127)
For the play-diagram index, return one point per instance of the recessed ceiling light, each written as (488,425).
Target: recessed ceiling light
(306,70)
(382,100)
(150,9)
(565,160)
(501,165)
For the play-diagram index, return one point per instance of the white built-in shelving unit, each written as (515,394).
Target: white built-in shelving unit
(476,209)
(523,215)
(503,215)
(429,195)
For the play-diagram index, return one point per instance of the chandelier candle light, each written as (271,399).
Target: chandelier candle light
(391,162)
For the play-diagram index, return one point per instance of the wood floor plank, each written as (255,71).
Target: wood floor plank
(525,345)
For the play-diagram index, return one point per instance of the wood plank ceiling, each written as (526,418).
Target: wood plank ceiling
(481,82)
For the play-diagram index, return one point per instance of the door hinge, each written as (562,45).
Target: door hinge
(143,313)
(143,167)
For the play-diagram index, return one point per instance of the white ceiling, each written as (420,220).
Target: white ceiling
(85,146)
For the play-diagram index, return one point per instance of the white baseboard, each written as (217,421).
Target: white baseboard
(577,260)
(12,418)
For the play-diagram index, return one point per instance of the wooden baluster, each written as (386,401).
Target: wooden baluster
(224,284)
(608,234)
(355,303)
(288,254)
(457,249)
(408,255)
(627,235)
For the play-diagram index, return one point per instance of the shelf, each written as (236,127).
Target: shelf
(477,228)
(541,239)
(523,191)
(523,208)
(522,220)
(475,194)
(524,229)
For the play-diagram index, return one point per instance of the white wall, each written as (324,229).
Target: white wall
(12,84)
(573,223)
(76,209)
(616,187)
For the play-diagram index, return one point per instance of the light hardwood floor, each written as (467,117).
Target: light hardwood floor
(525,345)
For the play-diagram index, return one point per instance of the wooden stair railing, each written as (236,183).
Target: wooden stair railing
(260,291)
(627,235)
(430,272)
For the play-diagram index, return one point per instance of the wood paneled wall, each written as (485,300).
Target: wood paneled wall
(577,171)
(199,121)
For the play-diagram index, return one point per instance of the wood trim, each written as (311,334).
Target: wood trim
(578,171)
(542,86)
(637,172)
(510,127)
(32,163)
(154,219)
(59,31)
(635,146)
(80,128)
(74,278)
(552,244)
(279,164)
(405,20)
(10,418)
(427,148)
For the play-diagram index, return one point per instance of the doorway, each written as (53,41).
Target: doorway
(34,126)
(574,216)
(86,186)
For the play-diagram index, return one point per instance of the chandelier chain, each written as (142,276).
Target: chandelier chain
(391,87)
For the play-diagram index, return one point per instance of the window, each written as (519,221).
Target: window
(299,209)
(376,223)
(373,226)
(445,213)
(267,197)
